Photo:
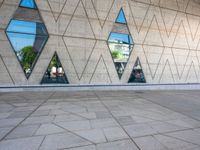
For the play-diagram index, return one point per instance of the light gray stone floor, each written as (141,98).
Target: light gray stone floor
(100,120)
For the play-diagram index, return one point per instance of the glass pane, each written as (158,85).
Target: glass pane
(27,48)
(121,17)
(120,38)
(54,73)
(137,75)
(28,3)
(26,27)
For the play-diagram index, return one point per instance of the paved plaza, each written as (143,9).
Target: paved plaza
(100,120)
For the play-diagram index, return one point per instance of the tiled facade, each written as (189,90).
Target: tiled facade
(166,36)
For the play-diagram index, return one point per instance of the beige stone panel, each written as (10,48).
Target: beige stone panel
(168,18)
(101,50)
(100,75)
(102,8)
(194,24)
(139,11)
(182,4)
(193,7)
(4,75)
(171,4)
(181,38)
(155,2)
(80,50)
(57,7)
(153,30)
(153,56)
(144,1)
(6,12)
(192,74)
(11,2)
(166,76)
(79,25)
(15,70)
(70,7)
(180,57)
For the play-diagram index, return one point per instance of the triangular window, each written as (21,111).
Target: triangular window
(121,17)
(137,75)
(28,4)
(55,73)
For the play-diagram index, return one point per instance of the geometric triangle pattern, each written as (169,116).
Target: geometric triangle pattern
(55,73)
(137,75)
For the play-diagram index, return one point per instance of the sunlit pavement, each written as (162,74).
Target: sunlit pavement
(97,120)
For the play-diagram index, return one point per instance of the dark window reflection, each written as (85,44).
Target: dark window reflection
(137,75)
(55,72)
(28,4)
(27,39)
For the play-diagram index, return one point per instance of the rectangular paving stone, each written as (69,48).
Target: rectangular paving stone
(118,145)
(115,133)
(10,122)
(23,131)
(50,128)
(103,123)
(62,141)
(31,143)
(75,125)
(38,120)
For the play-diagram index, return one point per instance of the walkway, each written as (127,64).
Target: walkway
(109,120)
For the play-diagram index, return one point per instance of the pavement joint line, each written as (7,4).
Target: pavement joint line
(118,122)
(73,133)
(171,109)
(26,117)
(181,139)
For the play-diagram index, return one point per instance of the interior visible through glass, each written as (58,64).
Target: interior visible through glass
(55,72)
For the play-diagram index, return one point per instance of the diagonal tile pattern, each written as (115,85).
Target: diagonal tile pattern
(100,120)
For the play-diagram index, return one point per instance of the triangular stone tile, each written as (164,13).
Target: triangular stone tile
(166,76)
(182,4)
(194,23)
(192,75)
(172,4)
(80,51)
(5,78)
(100,75)
(102,8)
(168,17)
(181,38)
(139,12)
(180,56)
(79,25)
(153,55)
(153,30)
(57,7)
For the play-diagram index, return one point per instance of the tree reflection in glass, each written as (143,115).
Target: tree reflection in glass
(55,73)
(27,39)
(120,43)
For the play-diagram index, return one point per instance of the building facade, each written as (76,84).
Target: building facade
(99,41)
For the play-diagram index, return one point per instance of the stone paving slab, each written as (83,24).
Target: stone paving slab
(100,120)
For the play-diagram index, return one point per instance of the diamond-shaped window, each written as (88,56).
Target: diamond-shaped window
(120,43)
(55,73)
(27,39)
(28,4)
(137,75)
